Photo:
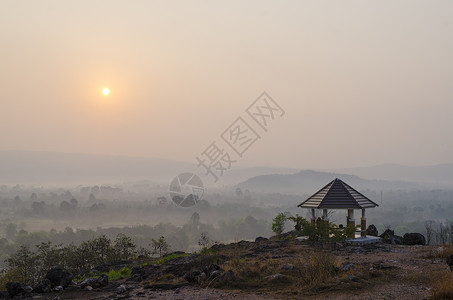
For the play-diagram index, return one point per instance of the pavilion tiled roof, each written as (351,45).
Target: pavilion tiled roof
(338,195)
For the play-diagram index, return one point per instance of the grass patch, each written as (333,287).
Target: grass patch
(121,273)
(113,275)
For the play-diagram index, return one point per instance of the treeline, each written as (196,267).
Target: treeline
(439,233)
(30,264)
(183,238)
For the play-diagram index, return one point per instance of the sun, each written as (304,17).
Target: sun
(106,91)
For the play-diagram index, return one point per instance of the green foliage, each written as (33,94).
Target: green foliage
(300,222)
(160,246)
(30,266)
(122,273)
(80,277)
(170,257)
(26,263)
(278,223)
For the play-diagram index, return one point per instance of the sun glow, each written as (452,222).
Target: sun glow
(106,91)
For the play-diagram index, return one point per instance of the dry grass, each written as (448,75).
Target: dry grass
(443,251)
(443,289)
(312,270)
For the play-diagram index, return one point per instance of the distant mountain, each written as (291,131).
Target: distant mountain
(54,168)
(435,176)
(308,181)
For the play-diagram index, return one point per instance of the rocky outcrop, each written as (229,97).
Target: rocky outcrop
(59,277)
(414,239)
(101,281)
(372,230)
(16,288)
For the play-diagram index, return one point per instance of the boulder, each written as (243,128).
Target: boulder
(59,277)
(389,237)
(15,288)
(44,286)
(414,239)
(93,282)
(121,289)
(102,280)
(192,276)
(372,230)
(209,270)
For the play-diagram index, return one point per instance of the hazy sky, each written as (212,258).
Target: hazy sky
(361,82)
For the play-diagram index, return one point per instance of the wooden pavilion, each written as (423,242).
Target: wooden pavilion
(339,195)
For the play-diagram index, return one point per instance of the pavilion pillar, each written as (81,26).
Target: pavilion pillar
(350,221)
(313,217)
(363,224)
(324,214)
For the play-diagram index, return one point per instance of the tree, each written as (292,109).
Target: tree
(160,246)
(25,261)
(300,222)
(123,247)
(278,223)
(205,241)
(429,231)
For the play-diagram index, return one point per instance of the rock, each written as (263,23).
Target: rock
(260,239)
(347,267)
(103,280)
(121,289)
(192,276)
(28,289)
(353,278)
(44,286)
(287,267)
(89,288)
(14,288)
(201,278)
(277,278)
(58,288)
(389,237)
(93,282)
(215,274)
(372,230)
(414,239)
(211,268)
(57,276)
(227,276)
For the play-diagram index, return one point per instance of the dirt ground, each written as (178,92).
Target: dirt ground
(406,272)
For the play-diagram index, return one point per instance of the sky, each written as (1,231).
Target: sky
(360,82)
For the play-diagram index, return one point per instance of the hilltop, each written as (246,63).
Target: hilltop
(278,269)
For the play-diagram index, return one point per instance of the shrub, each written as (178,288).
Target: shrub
(278,223)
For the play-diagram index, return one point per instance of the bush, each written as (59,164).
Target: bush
(278,223)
